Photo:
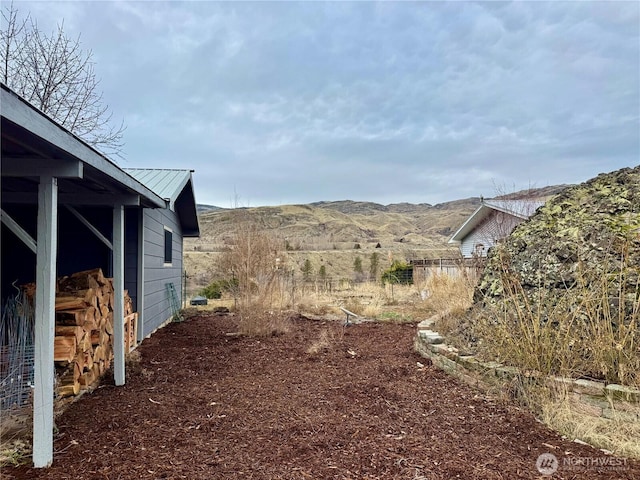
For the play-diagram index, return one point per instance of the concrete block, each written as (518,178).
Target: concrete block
(587,405)
(617,415)
(588,387)
(507,372)
(430,336)
(621,392)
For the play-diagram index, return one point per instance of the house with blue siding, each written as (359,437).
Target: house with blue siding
(66,208)
(161,251)
(492,221)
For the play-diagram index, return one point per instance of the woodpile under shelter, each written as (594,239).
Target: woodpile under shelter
(66,208)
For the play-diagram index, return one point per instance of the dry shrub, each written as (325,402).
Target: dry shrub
(327,339)
(254,269)
(589,330)
(308,307)
(263,323)
(556,409)
(447,293)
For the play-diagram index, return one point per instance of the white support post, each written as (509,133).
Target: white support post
(140,292)
(45,303)
(118,294)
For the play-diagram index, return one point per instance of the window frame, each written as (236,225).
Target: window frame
(168,247)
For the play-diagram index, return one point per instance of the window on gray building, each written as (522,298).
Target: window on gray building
(168,242)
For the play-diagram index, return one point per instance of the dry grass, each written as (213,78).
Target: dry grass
(327,340)
(560,413)
(262,323)
(398,303)
(447,293)
(589,330)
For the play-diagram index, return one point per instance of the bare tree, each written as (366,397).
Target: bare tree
(56,75)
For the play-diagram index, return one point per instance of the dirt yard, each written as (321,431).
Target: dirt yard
(205,405)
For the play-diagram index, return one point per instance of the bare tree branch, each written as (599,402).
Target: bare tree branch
(56,75)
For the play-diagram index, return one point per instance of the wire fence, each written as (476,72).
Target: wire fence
(16,353)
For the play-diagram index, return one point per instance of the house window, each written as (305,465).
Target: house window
(168,244)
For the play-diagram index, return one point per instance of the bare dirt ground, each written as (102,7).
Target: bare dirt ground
(204,405)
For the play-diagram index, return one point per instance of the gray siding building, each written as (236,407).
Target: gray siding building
(492,221)
(65,208)
(162,243)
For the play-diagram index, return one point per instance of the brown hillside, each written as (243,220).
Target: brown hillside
(340,225)
(333,234)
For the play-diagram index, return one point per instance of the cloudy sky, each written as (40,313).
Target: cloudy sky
(278,102)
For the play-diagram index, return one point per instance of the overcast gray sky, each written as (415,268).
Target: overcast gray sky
(278,102)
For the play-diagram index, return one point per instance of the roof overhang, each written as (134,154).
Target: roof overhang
(187,210)
(476,217)
(176,187)
(33,145)
(517,208)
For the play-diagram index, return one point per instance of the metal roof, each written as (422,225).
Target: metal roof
(518,208)
(175,186)
(166,183)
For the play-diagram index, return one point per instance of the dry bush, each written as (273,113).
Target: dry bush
(326,340)
(263,323)
(254,269)
(590,329)
(447,293)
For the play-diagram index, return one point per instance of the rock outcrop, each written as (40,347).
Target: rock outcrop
(586,236)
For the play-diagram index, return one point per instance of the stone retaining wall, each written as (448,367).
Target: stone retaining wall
(588,397)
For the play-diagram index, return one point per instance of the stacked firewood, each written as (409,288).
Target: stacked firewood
(83,343)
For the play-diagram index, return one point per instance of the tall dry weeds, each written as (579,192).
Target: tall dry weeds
(590,328)
(253,264)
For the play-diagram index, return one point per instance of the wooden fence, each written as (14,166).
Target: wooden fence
(424,268)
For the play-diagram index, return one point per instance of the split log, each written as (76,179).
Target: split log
(75,316)
(81,280)
(104,310)
(87,379)
(95,273)
(69,388)
(99,354)
(108,324)
(71,303)
(69,331)
(80,361)
(64,349)
(85,345)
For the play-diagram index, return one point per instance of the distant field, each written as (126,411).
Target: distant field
(332,234)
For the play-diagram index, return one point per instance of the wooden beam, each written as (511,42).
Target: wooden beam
(88,224)
(18,230)
(118,292)
(33,167)
(78,199)
(44,322)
